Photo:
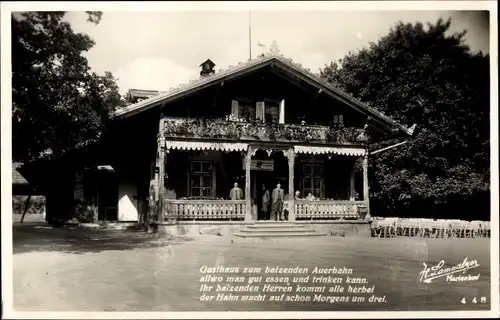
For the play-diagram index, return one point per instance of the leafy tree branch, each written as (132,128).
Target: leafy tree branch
(57,102)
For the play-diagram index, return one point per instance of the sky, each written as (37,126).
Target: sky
(161,49)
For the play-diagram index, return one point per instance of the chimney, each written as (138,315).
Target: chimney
(207,68)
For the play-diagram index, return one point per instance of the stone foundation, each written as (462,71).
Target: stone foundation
(196,228)
(343,228)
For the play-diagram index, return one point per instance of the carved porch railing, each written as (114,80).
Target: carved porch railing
(204,209)
(218,128)
(328,209)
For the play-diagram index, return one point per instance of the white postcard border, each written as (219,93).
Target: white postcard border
(6,163)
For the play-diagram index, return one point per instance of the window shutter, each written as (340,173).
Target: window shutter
(282,112)
(78,190)
(235,109)
(341,119)
(260,111)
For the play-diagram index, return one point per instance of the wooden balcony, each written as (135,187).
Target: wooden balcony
(328,209)
(216,128)
(205,209)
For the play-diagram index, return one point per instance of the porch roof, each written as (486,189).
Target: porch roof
(238,146)
(278,60)
(330,150)
(202,145)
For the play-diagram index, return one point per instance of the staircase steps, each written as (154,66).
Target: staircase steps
(277,229)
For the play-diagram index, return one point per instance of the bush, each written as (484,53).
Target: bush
(86,211)
(36,204)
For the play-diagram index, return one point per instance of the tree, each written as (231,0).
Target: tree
(427,77)
(57,102)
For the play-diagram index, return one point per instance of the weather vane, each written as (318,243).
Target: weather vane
(274,48)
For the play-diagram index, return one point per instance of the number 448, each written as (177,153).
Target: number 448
(474,300)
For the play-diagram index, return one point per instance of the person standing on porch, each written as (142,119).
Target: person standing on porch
(265,202)
(297,195)
(277,205)
(236,193)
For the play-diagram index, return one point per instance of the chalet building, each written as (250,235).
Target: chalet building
(260,123)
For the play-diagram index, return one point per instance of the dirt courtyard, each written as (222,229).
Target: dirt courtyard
(103,270)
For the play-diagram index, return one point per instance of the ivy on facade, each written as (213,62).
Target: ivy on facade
(217,128)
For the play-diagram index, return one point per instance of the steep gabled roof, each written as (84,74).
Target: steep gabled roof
(252,65)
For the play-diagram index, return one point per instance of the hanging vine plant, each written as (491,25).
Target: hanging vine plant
(219,128)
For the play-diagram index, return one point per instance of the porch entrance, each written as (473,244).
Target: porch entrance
(261,180)
(267,170)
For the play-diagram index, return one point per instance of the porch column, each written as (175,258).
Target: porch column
(248,161)
(366,196)
(153,194)
(352,188)
(161,174)
(291,191)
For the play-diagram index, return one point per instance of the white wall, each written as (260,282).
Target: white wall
(128,203)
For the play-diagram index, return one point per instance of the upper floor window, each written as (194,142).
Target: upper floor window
(267,111)
(241,110)
(272,111)
(338,120)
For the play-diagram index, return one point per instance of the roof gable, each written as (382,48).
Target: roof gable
(274,59)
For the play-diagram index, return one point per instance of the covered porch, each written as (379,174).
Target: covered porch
(198,177)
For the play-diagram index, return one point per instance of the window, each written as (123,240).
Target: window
(235,110)
(312,179)
(271,114)
(260,108)
(266,110)
(338,120)
(201,178)
(246,110)
(272,111)
(241,110)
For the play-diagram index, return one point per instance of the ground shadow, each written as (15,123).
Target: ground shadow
(43,238)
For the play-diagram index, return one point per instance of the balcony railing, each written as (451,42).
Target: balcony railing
(236,209)
(238,130)
(205,209)
(328,209)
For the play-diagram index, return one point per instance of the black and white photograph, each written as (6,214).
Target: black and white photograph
(249,159)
